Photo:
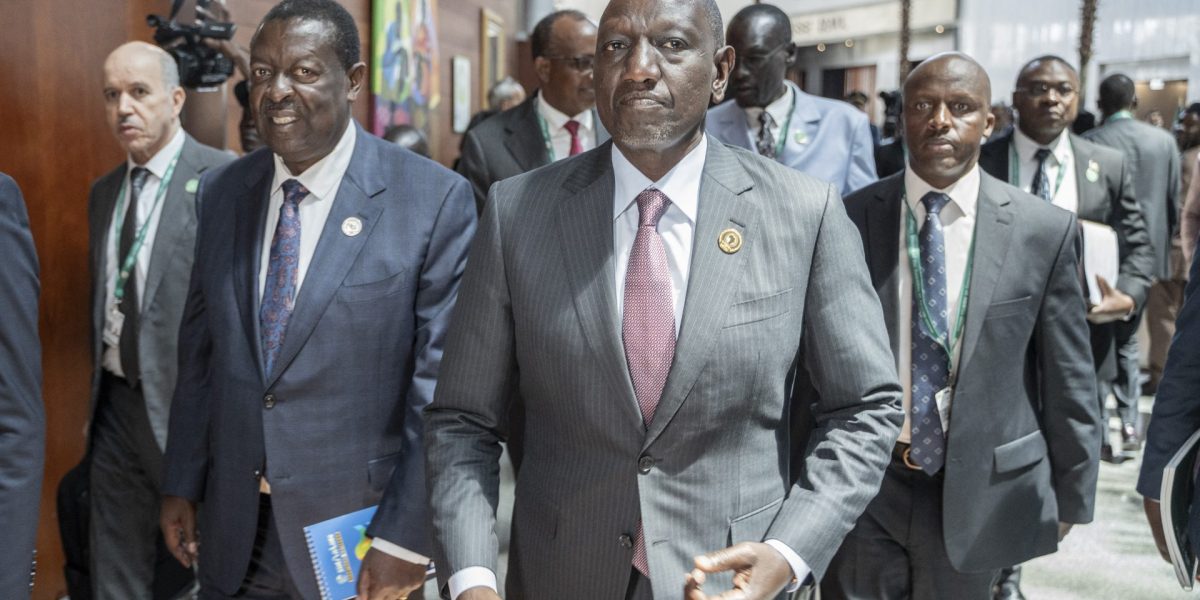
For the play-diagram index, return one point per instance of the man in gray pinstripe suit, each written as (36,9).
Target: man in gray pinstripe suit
(667,307)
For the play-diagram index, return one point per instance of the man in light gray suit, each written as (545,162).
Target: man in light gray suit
(828,139)
(998,454)
(655,302)
(142,228)
(1153,160)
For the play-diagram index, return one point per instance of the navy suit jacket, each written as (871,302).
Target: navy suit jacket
(22,418)
(1177,403)
(337,426)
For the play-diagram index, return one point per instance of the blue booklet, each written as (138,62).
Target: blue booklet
(337,547)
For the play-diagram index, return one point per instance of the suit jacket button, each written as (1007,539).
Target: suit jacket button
(269,401)
(625,541)
(645,463)
(257,474)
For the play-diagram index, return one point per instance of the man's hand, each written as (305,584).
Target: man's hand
(1154,517)
(479,593)
(1114,305)
(218,12)
(760,572)
(178,521)
(385,577)
(1064,529)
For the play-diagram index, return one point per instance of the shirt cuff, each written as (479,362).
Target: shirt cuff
(800,568)
(470,577)
(395,551)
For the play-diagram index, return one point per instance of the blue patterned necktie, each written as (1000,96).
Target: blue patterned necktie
(930,359)
(279,293)
(1041,179)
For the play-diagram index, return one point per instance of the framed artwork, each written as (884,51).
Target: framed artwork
(460,67)
(491,57)
(405,82)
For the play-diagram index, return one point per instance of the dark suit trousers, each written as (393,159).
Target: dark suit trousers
(896,549)
(126,475)
(1126,386)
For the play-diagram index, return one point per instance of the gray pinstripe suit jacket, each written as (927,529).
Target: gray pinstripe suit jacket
(536,315)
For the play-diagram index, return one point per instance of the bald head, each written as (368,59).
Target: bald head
(964,71)
(142,98)
(169,70)
(946,117)
(761,36)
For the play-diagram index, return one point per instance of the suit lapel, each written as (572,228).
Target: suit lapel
(883,240)
(248,239)
(525,141)
(713,278)
(731,125)
(106,198)
(1090,198)
(585,234)
(336,251)
(805,117)
(993,230)
(178,215)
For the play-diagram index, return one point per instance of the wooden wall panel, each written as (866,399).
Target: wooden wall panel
(54,142)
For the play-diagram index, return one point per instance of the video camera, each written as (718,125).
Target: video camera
(199,65)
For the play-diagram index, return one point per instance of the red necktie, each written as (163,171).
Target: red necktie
(648,322)
(572,128)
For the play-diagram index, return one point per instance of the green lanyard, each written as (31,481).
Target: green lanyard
(131,259)
(1014,171)
(783,132)
(914,260)
(545,135)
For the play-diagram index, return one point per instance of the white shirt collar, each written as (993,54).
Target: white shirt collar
(324,176)
(778,109)
(964,193)
(1060,148)
(681,184)
(555,119)
(157,165)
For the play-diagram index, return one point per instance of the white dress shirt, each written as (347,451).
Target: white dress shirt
(780,111)
(958,227)
(677,227)
(560,138)
(1062,157)
(322,180)
(110,360)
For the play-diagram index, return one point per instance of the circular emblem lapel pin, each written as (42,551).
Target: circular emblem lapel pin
(352,226)
(1093,171)
(730,241)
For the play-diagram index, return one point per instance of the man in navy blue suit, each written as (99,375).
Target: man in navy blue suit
(327,265)
(22,418)
(1176,412)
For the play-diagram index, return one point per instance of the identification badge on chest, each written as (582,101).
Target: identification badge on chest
(113,326)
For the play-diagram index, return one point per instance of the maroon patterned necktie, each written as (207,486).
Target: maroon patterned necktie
(572,128)
(648,322)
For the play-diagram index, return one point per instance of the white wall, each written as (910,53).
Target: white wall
(1162,35)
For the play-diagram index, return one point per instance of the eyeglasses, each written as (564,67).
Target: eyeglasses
(1039,90)
(757,60)
(583,63)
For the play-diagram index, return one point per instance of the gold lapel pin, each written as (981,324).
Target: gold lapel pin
(352,226)
(730,241)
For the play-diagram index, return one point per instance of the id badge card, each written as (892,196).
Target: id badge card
(942,398)
(113,326)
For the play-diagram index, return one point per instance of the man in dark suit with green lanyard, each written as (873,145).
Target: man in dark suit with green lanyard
(997,457)
(1043,157)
